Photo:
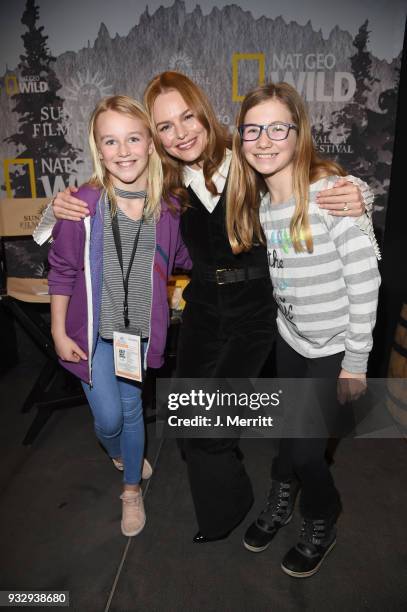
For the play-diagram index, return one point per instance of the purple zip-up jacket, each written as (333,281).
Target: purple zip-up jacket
(73,261)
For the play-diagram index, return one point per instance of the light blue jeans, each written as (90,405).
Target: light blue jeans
(117,411)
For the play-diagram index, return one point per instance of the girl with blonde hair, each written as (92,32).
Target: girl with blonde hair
(108,276)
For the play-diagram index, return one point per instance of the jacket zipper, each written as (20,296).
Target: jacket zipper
(152,292)
(89,300)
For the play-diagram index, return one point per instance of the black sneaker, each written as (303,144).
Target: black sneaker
(317,539)
(277,513)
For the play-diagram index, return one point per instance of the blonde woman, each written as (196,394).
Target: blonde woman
(108,274)
(325,279)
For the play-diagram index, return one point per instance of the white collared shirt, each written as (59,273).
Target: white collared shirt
(195,179)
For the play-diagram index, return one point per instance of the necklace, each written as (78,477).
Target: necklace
(130,195)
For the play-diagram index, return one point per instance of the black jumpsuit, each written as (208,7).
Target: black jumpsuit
(228,331)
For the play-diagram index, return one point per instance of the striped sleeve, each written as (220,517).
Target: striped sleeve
(365,221)
(362,280)
(43,231)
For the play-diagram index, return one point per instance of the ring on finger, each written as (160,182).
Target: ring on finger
(346,207)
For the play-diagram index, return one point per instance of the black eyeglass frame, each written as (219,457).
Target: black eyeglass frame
(290,126)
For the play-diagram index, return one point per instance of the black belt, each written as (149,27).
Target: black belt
(225,276)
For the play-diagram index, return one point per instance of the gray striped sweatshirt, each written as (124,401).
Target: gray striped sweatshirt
(327,299)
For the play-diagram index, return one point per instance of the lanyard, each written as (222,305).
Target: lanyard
(118,245)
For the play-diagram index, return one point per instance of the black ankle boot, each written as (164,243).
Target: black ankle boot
(317,539)
(277,513)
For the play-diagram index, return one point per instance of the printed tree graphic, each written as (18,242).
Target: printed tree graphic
(353,119)
(369,133)
(30,140)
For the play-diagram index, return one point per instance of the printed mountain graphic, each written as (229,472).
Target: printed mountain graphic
(202,46)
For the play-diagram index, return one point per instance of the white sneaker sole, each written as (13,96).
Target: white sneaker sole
(146,473)
(147,470)
(259,549)
(311,572)
(130,534)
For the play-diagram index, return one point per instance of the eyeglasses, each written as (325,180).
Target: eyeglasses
(274,131)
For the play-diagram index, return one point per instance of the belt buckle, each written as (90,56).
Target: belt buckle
(219,281)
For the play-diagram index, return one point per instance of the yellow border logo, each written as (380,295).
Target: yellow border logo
(236,58)
(11,78)
(31,172)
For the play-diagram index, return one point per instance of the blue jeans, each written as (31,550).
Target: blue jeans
(117,411)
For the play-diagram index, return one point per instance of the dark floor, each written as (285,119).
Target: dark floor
(60,524)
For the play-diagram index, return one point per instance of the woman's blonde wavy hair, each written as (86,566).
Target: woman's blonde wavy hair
(100,177)
(245,185)
(218,137)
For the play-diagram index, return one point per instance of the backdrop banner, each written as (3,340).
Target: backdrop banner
(351,89)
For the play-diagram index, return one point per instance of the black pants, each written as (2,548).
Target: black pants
(230,336)
(305,457)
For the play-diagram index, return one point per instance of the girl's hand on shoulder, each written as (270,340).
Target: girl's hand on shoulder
(66,206)
(67,349)
(350,386)
(344,199)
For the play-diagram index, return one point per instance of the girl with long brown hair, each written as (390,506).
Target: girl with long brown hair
(325,278)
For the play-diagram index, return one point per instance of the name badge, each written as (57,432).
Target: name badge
(127,355)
